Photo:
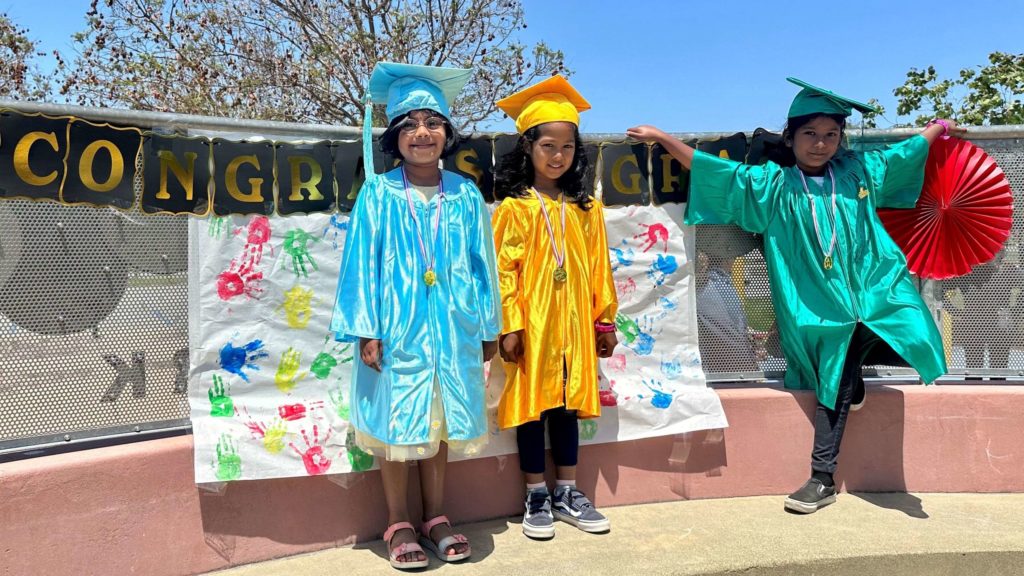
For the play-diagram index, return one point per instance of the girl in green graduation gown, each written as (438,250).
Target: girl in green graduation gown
(840,285)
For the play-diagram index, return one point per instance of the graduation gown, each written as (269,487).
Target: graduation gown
(816,309)
(557,318)
(426,332)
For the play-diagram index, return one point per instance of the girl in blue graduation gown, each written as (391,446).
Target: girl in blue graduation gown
(418,290)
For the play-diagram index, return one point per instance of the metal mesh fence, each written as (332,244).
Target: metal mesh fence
(94,327)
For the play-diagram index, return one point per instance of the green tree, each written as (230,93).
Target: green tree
(19,72)
(988,94)
(295,60)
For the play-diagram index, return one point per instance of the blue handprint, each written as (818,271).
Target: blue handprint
(661,399)
(236,360)
(661,268)
(337,228)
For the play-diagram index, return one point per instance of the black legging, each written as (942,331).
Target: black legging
(564,433)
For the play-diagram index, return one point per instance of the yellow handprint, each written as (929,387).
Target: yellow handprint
(273,438)
(297,309)
(287,375)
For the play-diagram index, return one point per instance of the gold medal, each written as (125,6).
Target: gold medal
(827,263)
(429,278)
(560,275)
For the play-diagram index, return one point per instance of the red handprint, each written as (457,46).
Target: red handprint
(654,233)
(313,458)
(244,276)
(290,412)
(608,397)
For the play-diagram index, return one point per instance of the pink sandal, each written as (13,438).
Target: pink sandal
(408,548)
(447,542)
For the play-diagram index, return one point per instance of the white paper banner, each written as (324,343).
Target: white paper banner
(269,387)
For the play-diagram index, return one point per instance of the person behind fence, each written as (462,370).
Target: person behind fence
(558,299)
(418,289)
(839,283)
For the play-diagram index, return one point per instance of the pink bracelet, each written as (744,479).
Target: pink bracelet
(940,122)
(603,327)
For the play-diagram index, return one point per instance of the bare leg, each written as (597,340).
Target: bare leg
(395,477)
(432,486)
(565,473)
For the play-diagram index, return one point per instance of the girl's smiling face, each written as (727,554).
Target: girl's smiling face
(553,151)
(815,143)
(422,137)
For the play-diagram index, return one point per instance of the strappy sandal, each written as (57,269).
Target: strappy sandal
(402,549)
(445,543)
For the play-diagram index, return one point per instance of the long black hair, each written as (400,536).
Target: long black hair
(781,153)
(389,140)
(514,176)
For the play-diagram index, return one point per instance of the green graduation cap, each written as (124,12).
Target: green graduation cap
(814,100)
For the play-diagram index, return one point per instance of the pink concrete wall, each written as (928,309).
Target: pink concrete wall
(133,509)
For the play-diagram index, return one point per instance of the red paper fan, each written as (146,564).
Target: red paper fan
(962,217)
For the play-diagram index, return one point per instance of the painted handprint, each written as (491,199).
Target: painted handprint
(654,233)
(297,308)
(358,460)
(661,399)
(665,307)
(671,368)
(662,268)
(243,276)
(288,376)
(337,229)
(339,401)
(617,362)
(272,436)
(588,429)
(313,457)
(625,289)
(296,247)
(623,256)
(327,360)
(237,360)
(608,397)
(291,412)
(218,226)
(229,464)
(637,337)
(221,404)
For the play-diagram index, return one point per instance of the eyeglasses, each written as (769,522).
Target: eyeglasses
(433,124)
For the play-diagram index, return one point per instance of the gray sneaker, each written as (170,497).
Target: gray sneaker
(538,521)
(574,507)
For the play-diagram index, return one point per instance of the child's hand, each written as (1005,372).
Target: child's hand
(490,349)
(511,346)
(370,350)
(645,133)
(606,342)
(954,130)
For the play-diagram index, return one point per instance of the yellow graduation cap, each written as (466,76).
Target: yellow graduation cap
(553,100)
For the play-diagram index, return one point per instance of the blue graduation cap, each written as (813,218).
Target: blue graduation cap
(407,87)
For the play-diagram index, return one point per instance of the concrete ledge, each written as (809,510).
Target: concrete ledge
(862,534)
(134,508)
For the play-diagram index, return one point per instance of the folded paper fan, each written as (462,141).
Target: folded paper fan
(963,216)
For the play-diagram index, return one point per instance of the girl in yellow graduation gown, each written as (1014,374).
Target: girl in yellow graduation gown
(558,298)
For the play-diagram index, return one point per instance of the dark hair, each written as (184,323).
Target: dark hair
(389,140)
(514,176)
(782,154)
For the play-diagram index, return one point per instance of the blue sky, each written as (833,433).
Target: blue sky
(715,66)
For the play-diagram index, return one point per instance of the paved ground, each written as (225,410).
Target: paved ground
(862,535)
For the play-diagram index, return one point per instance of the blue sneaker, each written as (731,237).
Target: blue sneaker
(538,521)
(573,507)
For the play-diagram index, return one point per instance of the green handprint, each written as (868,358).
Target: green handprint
(221,404)
(357,459)
(326,361)
(287,370)
(627,326)
(588,429)
(294,246)
(218,226)
(229,463)
(338,400)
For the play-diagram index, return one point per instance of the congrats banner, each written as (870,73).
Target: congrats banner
(269,386)
(75,161)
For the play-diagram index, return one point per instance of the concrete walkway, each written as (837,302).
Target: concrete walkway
(862,535)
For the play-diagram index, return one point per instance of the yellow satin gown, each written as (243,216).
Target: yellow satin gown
(557,317)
